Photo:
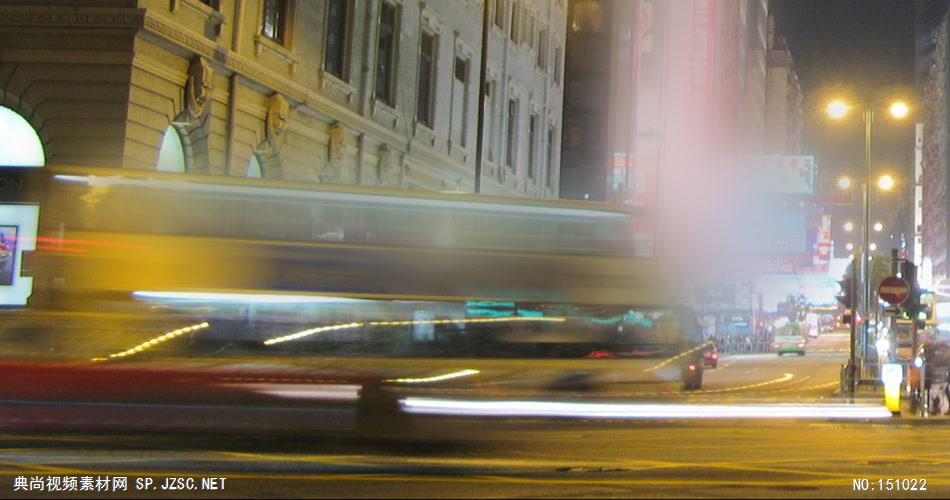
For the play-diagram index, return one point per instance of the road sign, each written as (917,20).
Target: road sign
(894,290)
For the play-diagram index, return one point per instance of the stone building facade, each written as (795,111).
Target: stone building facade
(366,92)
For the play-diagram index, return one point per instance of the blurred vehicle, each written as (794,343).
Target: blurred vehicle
(811,325)
(711,356)
(693,377)
(785,344)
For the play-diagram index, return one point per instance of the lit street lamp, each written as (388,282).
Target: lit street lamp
(899,109)
(849,226)
(837,110)
(878,227)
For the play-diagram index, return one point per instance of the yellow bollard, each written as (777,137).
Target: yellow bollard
(892,375)
(892,397)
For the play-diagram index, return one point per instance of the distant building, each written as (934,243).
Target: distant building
(649,81)
(600,97)
(783,115)
(933,84)
(368,92)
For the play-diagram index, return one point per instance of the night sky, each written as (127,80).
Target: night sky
(870,41)
(854,44)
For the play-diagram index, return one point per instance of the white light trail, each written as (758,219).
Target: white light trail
(437,378)
(334,392)
(307,333)
(428,406)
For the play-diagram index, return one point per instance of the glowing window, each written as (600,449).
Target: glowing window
(171,156)
(19,144)
(254,168)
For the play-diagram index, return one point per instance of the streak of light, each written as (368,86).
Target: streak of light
(442,203)
(430,406)
(148,344)
(468,320)
(61,249)
(436,378)
(91,243)
(311,331)
(243,297)
(347,326)
(335,392)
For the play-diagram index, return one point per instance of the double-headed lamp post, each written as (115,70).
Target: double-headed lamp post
(838,110)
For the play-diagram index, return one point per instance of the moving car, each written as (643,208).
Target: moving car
(789,344)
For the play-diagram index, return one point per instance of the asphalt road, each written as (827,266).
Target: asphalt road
(533,457)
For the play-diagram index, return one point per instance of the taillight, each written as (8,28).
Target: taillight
(692,367)
(801,345)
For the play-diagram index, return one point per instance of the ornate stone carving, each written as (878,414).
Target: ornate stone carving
(278,110)
(335,152)
(198,87)
(390,167)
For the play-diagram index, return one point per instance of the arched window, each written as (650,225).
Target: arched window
(254,168)
(19,144)
(171,156)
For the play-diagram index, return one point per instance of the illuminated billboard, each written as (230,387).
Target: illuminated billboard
(776,232)
(18,224)
(780,175)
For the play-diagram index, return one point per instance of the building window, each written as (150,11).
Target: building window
(529,34)
(490,119)
(500,13)
(512,138)
(336,61)
(426,90)
(460,102)
(543,49)
(274,20)
(386,53)
(587,16)
(254,170)
(552,152)
(532,146)
(557,66)
(19,144)
(515,20)
(171,154)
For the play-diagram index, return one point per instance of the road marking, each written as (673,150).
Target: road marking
(784,378)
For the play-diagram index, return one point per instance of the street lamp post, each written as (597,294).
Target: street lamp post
(865,243)
(837,110)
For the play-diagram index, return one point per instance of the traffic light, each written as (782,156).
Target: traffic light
(846,296)
(913,308)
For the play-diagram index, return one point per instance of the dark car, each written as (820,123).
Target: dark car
(711,356)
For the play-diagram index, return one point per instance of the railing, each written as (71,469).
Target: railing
(739,345)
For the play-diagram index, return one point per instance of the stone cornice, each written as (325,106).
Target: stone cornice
(71,17)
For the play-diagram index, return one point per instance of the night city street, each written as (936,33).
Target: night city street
(474,248)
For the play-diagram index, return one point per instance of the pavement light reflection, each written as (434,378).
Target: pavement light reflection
(429,406)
